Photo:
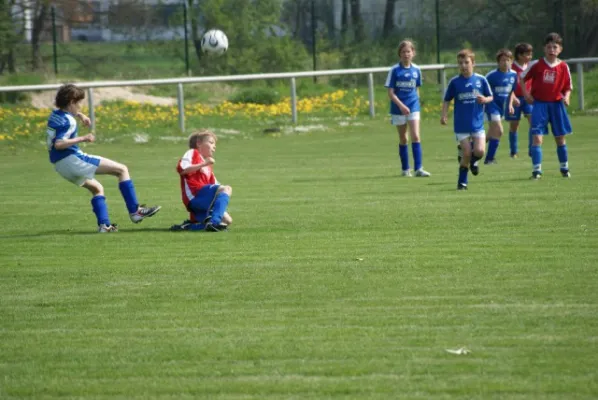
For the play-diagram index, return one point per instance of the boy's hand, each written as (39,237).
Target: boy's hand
(443,120)
(516,102)
(209,161)
(404,109)
(90,137)
(566,100)
(511,109)
(481,99)
(529,99)
(85,119)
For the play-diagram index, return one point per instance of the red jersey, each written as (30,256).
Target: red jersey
(549,82)
(528,84)
(191,183)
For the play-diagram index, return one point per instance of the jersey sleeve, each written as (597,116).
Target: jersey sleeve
(529,72)
(187,159)
(418,81)
(486,90)
(567,84)
(59,126)
(450,91)
(391,80)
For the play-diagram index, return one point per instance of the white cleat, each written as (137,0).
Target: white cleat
(407,173)
(422,173)
(103,228)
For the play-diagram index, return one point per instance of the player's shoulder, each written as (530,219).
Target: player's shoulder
(415,66)
(491,73)
(59,118)
(396,66)
(479,76)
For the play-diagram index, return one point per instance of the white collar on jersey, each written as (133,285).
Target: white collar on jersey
(557,62)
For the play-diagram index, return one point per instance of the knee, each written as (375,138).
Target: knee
(226,190)
(122,170)
(95,188)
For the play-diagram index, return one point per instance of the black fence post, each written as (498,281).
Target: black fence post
(54,49)
(187,69)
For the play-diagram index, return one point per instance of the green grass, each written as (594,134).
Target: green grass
(339,279)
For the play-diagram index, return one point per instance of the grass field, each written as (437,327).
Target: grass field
(339,279)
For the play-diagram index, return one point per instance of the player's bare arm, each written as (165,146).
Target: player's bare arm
(62,144)
(567,97)
(443,117)
(393,97)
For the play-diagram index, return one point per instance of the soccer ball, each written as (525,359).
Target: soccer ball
(214,41)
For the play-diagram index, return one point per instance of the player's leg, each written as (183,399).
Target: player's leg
(137,212)
(494,135)
(561,126)
(98,205)
(466,151)
(529,134)
(416,148)
(400,121)
(227,219)
(478,148)
(538,128)
(514,139)
(220,204)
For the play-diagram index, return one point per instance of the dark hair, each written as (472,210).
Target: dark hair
(406,43)
(466,53)
(522,48)
(503,52)
(68,94)
(553,37)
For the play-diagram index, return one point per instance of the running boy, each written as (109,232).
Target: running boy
(550,91)
(502,82)
(470,91)
(205,199)
(523,55)
(403,82)
(80,168)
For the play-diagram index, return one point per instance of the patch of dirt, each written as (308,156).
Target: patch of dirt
(46,99)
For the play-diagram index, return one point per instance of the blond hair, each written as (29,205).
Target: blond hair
(200,136)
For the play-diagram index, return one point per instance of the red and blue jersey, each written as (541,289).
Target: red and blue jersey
(549,82)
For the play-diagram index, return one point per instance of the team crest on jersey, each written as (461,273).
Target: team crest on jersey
(415,75)
(407,74)
(549,76)
(478,84)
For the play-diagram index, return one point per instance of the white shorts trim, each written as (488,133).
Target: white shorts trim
(464,136)
(402,119)
(75,170)
(494,117)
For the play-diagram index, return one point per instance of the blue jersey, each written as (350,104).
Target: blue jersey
(468,113)
(61,125)
(404,81)
(502,85)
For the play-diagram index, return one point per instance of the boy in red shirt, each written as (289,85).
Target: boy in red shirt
(205,199)
(550,93)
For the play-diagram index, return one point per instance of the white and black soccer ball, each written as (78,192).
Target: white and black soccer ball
(214,41)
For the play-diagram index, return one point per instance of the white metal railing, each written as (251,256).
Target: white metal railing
(284,75)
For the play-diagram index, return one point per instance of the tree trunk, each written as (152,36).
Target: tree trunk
(357,21)
(192,6)
(39,22)
(344,22)
(389,14)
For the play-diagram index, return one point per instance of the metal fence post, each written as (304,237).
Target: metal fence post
(181,103)
(92,114)
(443,82)
(294,100)
(371,95)
(579,69)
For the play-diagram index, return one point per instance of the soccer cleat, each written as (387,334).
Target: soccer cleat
(493,161)
(406,173)
(422,173)
(185,226)
(210,227)
(143,212)
(474,168)
(536,175)
(514,155)
(565,173)
(103,228)
(461,186)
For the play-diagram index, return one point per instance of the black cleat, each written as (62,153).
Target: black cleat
(181,227)
(536,175)
(474,168)
(210,227)
(461,186)
(565,173)
(143,212)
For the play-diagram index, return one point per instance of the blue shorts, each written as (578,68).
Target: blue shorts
(553,113)
(523,108)
(202,202)
(492,109)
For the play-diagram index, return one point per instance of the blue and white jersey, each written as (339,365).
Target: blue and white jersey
(502,85)
(404,81)
(468,113)
(61,125)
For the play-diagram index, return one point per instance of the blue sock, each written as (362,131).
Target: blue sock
(529,143)
(492,147)
(199,226)
(98,204)
(536,152)
(513,143)
(128,192)
(463,175)
(219,207)
(561,151)
(416,148)
(404,155)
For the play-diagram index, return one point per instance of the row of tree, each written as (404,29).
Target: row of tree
(279,34)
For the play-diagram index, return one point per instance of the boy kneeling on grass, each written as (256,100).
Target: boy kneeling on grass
(205,199)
